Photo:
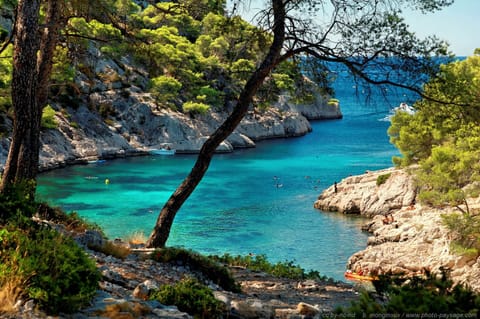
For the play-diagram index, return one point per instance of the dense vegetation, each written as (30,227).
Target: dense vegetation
(39,263)
(433,296)
(198,58)
(209,267)
(191,296)
(195,56)
(443,140)
(285,269)
(443,136)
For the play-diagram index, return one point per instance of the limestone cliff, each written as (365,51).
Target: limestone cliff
(113,115)
(415,241)
(361,194)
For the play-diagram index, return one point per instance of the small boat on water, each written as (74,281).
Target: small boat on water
(162,151)
(98,161)
(403,107)
(350,275)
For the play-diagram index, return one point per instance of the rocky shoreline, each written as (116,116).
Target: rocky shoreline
(126,284)
(119,118)
(413,242)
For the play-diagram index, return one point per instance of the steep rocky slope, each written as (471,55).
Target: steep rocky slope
(112,115)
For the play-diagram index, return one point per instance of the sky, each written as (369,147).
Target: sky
(458,24)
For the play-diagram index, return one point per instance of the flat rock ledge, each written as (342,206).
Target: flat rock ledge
(361,195)
(416,241)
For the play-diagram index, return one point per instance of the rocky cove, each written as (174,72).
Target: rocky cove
(114,116)
(413,242)
(416,240)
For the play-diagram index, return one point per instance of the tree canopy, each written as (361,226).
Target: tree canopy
(210,57)
(369,38)
(443,136)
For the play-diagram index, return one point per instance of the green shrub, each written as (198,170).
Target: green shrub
(54,270)
(286,269)
(210,96)
(6,68)
(192,297)
(48,118)
(216,272)
(465,231)
(165,89)
(195,107)
(470,253)
(381,179)
(37,262)
(333,102)
(16,205)
(72,221)
(431,295)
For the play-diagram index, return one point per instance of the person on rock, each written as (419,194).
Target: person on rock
(388,219)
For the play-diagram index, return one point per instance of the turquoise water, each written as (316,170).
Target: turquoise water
(251,201)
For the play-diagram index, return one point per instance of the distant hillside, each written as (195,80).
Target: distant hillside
(161,74)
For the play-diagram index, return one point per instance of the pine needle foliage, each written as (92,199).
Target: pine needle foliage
(38,263)
(434,295)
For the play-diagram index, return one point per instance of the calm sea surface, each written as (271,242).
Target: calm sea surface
(251,201)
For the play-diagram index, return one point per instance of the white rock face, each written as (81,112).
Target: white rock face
(361,195)
(415,242)
(120,119)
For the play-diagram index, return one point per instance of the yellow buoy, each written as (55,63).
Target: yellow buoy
(107,181)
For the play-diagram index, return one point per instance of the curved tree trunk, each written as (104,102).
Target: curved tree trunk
(161,231)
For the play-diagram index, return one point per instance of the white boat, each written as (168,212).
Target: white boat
(162,151)
(403,107)
(98,161)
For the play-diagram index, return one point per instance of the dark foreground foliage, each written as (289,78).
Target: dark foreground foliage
(431,295)
(190,296)
(38,263)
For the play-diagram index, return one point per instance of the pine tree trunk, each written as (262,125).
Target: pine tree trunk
(24,146)
(161,231)
(33,60)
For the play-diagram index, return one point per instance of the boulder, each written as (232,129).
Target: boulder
(251,308)
(307,310)
(143,290)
